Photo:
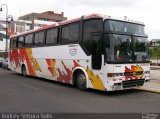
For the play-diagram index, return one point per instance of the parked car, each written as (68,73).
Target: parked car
(5,64)
(1,60)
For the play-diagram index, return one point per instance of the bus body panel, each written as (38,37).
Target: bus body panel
(60,66)
(47,63)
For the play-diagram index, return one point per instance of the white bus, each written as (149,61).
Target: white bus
(93,51)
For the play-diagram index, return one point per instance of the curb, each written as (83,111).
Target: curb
(155,68)
(153,87)
(149,90)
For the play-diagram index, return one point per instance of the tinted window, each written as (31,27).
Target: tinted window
(90,27)
(51,36)
(21,41)
(39,38)
(74,32)
(14,43)
(70,33)
(28,39)
(121,26)
(65,34)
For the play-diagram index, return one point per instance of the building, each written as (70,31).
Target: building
(48,16)
(2,37)
(154,42)
(33,21)
(45,16)
(26,23)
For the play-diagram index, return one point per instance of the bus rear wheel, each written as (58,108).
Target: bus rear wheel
(81,80)
(24,72)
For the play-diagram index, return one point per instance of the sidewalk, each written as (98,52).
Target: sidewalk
(155,68)
(154,84)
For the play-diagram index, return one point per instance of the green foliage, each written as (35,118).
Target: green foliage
(1,54)
(155,52)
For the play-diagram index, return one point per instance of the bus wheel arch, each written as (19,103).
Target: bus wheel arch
(24,70)
(80,78)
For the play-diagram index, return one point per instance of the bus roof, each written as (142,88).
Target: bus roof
(94,15)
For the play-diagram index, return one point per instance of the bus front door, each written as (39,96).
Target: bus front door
(96,51)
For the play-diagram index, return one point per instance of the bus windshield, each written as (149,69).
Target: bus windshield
(123,48)
(126,27)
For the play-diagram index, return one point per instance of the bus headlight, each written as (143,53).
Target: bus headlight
(114,74)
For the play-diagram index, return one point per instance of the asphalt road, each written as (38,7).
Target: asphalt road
(19,94)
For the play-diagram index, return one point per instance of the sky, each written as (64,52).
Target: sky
(146,11)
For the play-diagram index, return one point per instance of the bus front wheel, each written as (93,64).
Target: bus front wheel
(24,72)
(81,80)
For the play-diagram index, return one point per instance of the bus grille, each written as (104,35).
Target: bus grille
(131,73)
(133,83)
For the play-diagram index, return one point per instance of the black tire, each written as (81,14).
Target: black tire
(7,67)
(24,72)
(81,80)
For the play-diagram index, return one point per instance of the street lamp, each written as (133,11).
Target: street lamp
(10,18)
(6,47)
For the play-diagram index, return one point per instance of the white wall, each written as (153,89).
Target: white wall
(2,41)
(2,44)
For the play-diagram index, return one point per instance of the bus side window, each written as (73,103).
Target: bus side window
(20,41)
(65,34)
(29,40)
(51,37)
(74,32)
(70,33)
(13,43)
(39,38)
(94,25)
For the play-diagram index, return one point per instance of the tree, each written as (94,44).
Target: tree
(155,52)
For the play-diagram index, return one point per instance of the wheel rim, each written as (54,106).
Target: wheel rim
(81,83)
